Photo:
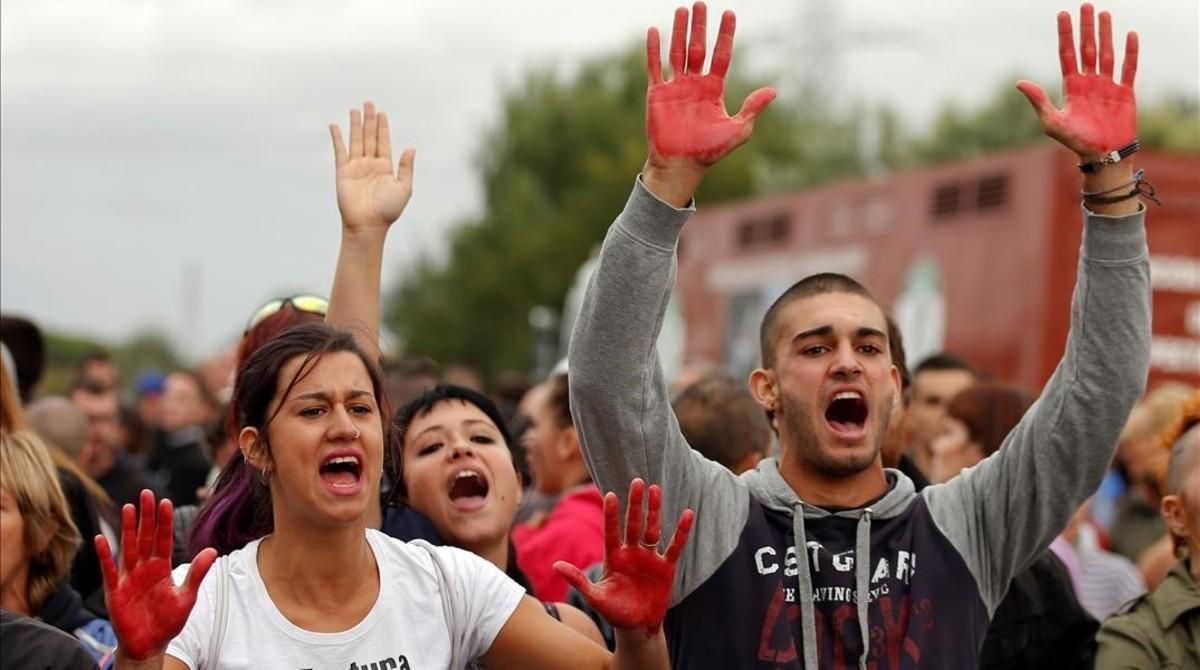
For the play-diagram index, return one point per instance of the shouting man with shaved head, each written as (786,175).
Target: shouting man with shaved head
(824,558)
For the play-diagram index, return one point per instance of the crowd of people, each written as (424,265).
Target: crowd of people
(329,506)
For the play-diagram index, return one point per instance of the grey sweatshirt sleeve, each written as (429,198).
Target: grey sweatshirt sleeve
(619,398)
(1006,510)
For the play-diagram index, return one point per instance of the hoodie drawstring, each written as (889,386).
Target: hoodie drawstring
(862,592)
(862,574)
(808,623)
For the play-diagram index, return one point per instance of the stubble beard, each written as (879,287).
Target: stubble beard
(802,426)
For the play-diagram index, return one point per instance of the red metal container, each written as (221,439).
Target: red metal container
(977,258)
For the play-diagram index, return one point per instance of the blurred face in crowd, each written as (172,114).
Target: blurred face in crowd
(183,403)
(102,372)
(103,415)
(325,442)
(14,559)
(550,447)
(459,473)
(953,450)
(932,391)
(1181,507)
(833,385)
(150,408)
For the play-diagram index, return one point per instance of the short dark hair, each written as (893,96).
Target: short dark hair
(943,361)
(818,284)
(425,403)
(413,366)
(721,420)
(95,355)
(558,396)
(899,358)
(28,348)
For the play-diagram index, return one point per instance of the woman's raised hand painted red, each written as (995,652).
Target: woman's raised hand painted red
(1098,115)
(635,589)
(685,117)
(146,607)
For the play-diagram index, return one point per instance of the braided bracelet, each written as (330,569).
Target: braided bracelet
(1141,187)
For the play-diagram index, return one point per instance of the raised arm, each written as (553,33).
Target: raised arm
(619,398)
(1004,512)
(146,607)
(371,195)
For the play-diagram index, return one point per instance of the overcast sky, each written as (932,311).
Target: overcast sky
(144,141)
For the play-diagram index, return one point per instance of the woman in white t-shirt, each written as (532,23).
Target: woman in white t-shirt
(316,588)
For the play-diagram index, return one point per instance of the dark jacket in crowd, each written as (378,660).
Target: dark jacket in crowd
(85,512)
(65,611)
(124,481)
(1040,623)
(1159,630)
(179,465)
(29,644)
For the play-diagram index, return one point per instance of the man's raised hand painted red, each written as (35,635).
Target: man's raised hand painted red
(1099,115)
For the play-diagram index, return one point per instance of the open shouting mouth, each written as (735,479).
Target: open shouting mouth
(846,415)
(341,472)
(468,489)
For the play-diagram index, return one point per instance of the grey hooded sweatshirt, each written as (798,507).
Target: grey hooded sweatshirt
(768,581)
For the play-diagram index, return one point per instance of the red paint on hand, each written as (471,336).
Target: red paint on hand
(686,117)
(1098,115)
(146,607)
(635,588)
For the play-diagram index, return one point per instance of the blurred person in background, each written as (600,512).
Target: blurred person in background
(25,344)
(64,429)
(133,437)
(692,372)
(38,542)
(180,465)
(894,453)
(409,377)
(533,503)
(1103,580)
(104,460)
(573,528)
(97,368)
(1138,524)
(935,381)
(456,469)
(1040,623)
(721,420)
(510,386)
(149,392)
(1162,629)
(463,374)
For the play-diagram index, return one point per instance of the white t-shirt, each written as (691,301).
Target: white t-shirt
(407,628)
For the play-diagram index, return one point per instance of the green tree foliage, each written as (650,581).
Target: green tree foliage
(1171,124)
(556,171)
